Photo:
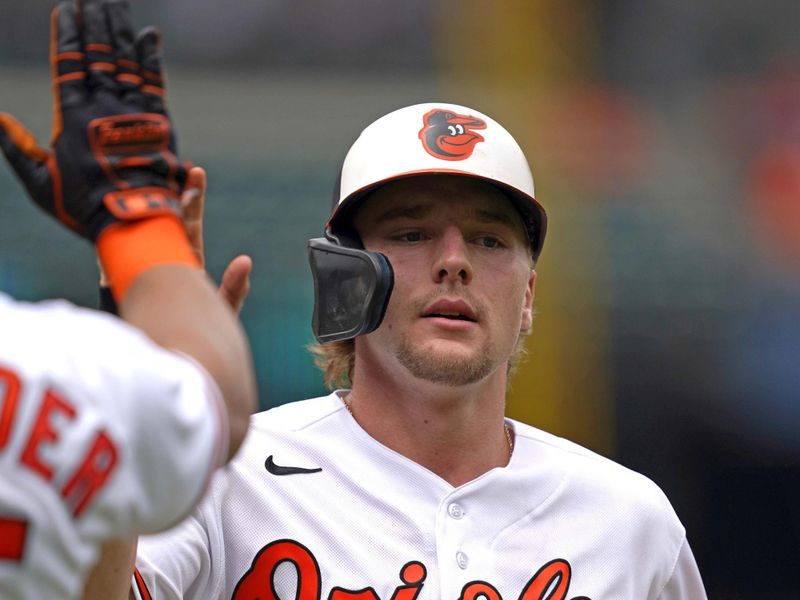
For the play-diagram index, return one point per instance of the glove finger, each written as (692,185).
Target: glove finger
(22,151)
(119,23)
(148,49)
(100,60)
(28,159)
(177,172)
(182,173)
(67,62)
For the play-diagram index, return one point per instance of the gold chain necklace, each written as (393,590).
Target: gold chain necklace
(509,439)
(506,428)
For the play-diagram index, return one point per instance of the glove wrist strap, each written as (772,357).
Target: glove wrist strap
(126,250)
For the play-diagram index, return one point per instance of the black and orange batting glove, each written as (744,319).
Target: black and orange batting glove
(111,173)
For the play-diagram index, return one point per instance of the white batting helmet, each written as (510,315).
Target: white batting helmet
(438,138)
(352,286)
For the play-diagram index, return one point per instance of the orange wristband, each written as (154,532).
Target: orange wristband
(126,250)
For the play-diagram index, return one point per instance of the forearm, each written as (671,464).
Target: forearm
(178,307)
(111,577)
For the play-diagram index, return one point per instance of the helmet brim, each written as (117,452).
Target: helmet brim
(532,213)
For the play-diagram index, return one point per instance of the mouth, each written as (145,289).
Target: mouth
(449,316)
(451,311)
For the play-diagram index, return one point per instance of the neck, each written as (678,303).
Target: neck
(456,432)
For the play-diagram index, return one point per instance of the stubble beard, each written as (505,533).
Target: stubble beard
(446,369)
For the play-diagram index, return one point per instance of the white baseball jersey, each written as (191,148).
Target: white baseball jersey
(312,507)
(102,434)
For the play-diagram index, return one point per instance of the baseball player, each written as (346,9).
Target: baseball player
(409,483)
(107,428)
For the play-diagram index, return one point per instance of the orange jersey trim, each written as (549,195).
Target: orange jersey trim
(141,586)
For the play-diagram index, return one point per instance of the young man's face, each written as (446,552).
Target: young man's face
(464,280)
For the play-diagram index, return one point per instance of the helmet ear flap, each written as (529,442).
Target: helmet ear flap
(351,290)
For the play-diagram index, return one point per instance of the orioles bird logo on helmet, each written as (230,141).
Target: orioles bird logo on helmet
(450,136)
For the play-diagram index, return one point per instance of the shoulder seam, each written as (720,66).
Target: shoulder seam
(674,566)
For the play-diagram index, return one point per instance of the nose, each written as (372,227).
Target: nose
(451,263)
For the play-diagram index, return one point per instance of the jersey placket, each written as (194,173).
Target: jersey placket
(460,546)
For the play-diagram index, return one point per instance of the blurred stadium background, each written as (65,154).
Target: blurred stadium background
(665,142)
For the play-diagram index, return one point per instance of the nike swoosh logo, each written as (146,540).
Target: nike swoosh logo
(271,467)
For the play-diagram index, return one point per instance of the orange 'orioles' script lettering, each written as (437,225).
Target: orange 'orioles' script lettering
(551,582)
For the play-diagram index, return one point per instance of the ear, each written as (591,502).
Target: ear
(527,306)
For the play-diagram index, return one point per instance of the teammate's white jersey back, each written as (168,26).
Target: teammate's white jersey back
(102,434)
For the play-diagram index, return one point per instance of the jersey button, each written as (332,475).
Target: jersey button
(455,511)
(462,560)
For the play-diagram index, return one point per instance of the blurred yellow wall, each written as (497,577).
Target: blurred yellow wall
(508,59)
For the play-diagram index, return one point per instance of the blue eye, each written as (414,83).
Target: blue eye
(412,236)
(489,242)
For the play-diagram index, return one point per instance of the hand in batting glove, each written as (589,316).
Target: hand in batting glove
(113,154)
(235,284)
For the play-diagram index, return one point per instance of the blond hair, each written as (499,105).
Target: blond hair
(336,360)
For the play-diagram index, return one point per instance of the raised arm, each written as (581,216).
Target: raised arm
(112,175)
(235,284)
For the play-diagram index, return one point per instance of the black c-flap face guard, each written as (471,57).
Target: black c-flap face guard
(351,290)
